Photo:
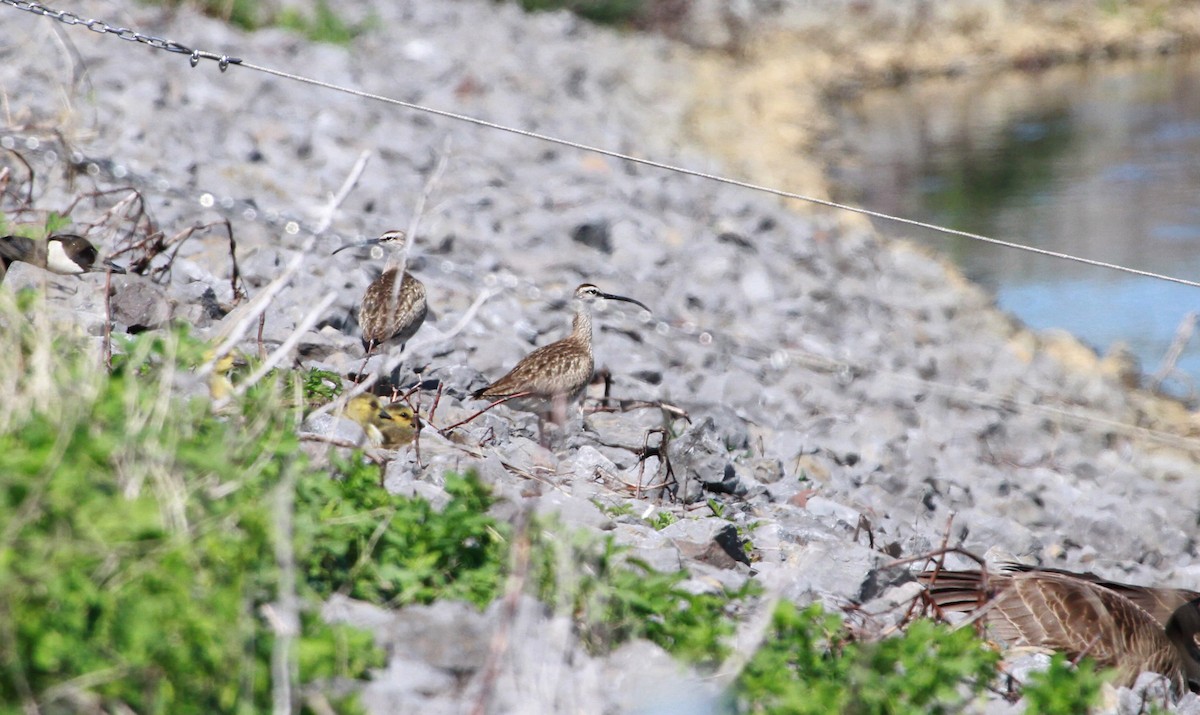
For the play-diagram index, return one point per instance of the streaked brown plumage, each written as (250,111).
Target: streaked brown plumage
(1160,603)
(65,254)
(390,312)
(554,375)
(1129,628)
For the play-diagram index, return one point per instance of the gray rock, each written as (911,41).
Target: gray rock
(140,305)
(642,678)
(445,634)
(406,679)
(767,471)
(1148,688)
(712,541)
(334,428)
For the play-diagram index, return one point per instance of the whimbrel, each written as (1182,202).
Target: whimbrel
(1129,628)
(390,311)
(554,375)
(388,427)
(64,253)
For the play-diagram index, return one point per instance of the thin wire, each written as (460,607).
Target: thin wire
(715,177)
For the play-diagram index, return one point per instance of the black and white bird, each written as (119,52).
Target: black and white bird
(64,253)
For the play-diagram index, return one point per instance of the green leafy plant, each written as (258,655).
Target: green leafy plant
(613,511)
(364,542)
(56,222)
(323,26)
(246,14)
(716,507)
(663,519)
(614,598)
(137,541)
(809,664)
(1063,689)
(609,12)
(321,385)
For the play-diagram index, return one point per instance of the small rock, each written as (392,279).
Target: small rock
(444,634)
(825,508)
(767,471)
(641,677)
(595,235)
(140,305)
(334,428)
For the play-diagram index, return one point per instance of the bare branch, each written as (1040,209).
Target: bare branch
(286,348)
(235,331)
(348,185)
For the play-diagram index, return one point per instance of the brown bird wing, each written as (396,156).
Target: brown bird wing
(961,591)
(385,315)
(1059,611)
(560,368)
(1160,603)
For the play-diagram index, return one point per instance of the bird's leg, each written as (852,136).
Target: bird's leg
(501,401)
(558,409)
(606,375)
(362,370)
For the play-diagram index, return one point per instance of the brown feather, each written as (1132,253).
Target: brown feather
(1081,614)
(1158,602)
(555,374)
(560,368)
(387,315)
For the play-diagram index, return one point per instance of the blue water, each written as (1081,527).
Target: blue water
(1100,161)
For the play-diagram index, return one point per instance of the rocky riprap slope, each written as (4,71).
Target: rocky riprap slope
(841,391)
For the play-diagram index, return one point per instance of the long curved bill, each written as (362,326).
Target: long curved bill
(640,304)
(360,244)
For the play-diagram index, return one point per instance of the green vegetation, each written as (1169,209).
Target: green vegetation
(615,598)
(137,537)
(387,549)
(1062,689)
(663,519)
(321,385)
(140,539)
(614,511)
(324,26)
(145,541)
(55,222)
(246,14)
(808,664)
(606,12)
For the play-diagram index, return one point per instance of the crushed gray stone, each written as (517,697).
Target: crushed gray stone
(812,359)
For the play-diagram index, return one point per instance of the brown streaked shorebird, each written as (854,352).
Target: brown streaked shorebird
(389,311)
(554,375)
(1129,628)
(64,253)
